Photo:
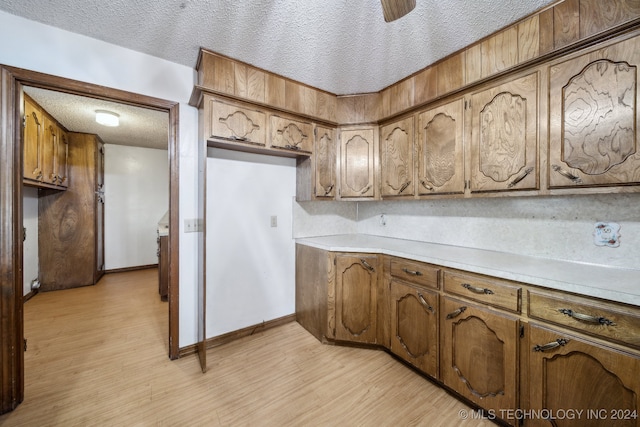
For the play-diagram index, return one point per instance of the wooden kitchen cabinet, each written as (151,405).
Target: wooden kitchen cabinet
(440,150)
(414,325)
(479,354)
(396,159)
(594,117)
(290,134)
(567,372)
(324,163)
(356,283)
(358,147)
(71,223)
(234,123)
(33,134)
(504,136)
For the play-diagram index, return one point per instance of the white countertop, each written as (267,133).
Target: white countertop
(615,284)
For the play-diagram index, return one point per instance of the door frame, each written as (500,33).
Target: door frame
(11,257)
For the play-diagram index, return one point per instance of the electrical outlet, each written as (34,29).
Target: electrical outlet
(193,225)
(274,220)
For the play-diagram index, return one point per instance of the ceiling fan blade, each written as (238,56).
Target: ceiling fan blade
(394,9)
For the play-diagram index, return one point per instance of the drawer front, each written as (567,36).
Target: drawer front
(237,124)
(415,272)
(586,315)
(494,292)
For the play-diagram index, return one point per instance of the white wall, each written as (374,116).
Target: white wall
(34,46)
(250,265)
(30,246)
(136,197)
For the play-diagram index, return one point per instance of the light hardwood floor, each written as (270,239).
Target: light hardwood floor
(98,356)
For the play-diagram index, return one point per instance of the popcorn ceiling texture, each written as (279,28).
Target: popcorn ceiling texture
(341,46)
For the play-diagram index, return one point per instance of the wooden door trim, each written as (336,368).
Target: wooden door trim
(11,301)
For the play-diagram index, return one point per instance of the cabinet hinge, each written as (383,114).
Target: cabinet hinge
(24,121)
(521,331)
(25,344)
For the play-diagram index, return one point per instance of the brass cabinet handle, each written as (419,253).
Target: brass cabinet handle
(239,138)
(477,290)
(567,174)
(366,189)
(404,187)
(367,265)
(291,147)
(456,313)
(424,303)
(426,185)
(520,178)
(411,272)
(560,342)
(586,317)
(328,189)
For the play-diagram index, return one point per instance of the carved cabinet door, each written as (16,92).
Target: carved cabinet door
(414,326)
(357,162)
(504,136)
(479,354)
(396,159)
(600,385)
(440,150)
(325,162)
(32,141)
(234,123)
(593,118)
(293,135)
(355,297)
(49,151)
(62,154)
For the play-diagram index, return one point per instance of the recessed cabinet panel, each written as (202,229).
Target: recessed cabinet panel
(414,326)
(62,153)
(504,136)
(236,124)
(49,151)
(32,140)
(290,134)
(396,159)
(440,150)
(567,372)
(325,162)
(593,118)
(479,354)
(357,162)
(355,299)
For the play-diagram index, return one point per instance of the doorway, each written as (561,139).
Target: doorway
(11,246)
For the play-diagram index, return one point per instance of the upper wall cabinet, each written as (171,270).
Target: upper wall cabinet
(289,134)
(593,118)
(440,150)
(504,136)
(358,146)
(32,141)
(234,123)
(325,162)
(396,159)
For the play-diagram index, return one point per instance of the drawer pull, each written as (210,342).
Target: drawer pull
(520,178)
(566,174)
(424,303)
(411,272)
(456,313)
(477,290)
(366,189)
(560,342)
(367,265)
(404,187)
(586,318)
(427,185)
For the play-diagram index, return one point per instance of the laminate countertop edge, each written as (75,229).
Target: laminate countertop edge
(610,283)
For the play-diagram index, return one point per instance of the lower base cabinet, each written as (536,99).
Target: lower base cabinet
(576,382)
(414,326)
(479,355)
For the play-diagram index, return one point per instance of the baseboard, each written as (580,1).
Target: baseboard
(126,269)
(28,296)
(240,333)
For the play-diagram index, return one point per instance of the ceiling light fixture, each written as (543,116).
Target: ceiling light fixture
(107,118)
(394,9)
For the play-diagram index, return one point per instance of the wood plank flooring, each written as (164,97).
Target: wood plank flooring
(98,356)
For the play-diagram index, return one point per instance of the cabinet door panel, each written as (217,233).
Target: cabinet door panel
(236,124)
(325,162)
(357,162)
(414,326)
(396,153)
(356,282)
(32,140)
(62,154)
(479,353)
(599,383)
(440,150)
(504,136)
(290,134)
(49,151)
(593,118)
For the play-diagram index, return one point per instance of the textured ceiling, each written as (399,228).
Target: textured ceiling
(139,127)
(341,46)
